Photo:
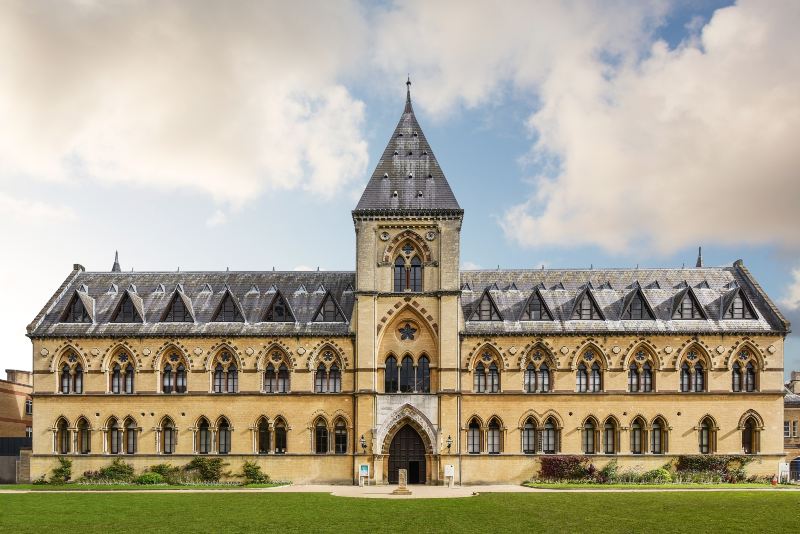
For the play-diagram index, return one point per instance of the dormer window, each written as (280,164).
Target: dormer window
(76,312)
(228,311)
(177,311)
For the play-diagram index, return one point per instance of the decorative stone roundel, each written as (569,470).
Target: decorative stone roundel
(95,352)
(588,355)
(640,356)
(44,352)
(615,349)
(564,350)
(668,349)
(301,350)
(720,349)
(771,349)
(512,350)
(249,351)
(692,356)
(198,351)
(146,352)
(384,236)
(430,236)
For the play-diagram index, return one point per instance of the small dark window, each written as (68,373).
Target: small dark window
(177,311)
(321,438)
(340,438)
(329,311)
(535,309)
(224,437)
(76,312)
(278,311)
(126,312)
(688,308)
(739,308)
(228,312)
(586,309)
(486,310)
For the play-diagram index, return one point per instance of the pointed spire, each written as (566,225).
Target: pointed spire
(116,268)
(408,96)
(407,176)
(699,257)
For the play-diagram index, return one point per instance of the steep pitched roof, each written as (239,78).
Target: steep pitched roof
(407,177)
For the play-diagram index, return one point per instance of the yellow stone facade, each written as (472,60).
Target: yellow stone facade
(440,417)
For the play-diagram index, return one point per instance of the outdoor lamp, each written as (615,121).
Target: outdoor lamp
(363,443)
(449,443)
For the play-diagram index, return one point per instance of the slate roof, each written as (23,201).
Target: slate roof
(790,399)
(408,177)
(203,292)
(612,289)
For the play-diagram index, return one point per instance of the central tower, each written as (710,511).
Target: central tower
(406,316)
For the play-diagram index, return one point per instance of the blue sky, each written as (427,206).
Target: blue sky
(606,134)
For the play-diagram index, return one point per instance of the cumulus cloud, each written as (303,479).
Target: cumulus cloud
(792,298)
(32,212)
(687,146)
(171,95)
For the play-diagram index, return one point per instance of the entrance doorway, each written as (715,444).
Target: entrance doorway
(407,451)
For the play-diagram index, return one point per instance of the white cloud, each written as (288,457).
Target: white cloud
(469,265)
(218,218)
(21,211)
(182,95)
(792,298)
(689,146)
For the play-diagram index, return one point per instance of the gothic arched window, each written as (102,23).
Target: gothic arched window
(474,437)
(320,437)
(390,377)
(407,375)
(493,440)
(423,375)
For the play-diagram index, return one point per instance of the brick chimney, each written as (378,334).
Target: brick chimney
(794,382)
(26,377)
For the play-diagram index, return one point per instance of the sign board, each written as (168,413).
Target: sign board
(783,471)
(449,471)
(363,470)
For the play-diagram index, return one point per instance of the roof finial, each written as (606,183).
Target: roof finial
(699,257)
(408,95)
(116,268)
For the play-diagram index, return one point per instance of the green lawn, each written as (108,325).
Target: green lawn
(316,512)
(127,487)
(576,486)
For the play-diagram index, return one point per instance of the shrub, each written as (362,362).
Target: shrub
(62,473)
(252,474)
(563,468)
(658,476)
(722,468)
(170,474)
(41,480)
(118,471)
(608,473)
(206,469)
(150,478)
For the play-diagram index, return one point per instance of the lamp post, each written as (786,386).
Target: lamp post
(449,443)
(363,444)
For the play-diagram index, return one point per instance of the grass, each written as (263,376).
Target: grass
(129,487)
(316,512)
(645,487)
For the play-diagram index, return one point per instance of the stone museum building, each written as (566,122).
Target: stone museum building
(408,362)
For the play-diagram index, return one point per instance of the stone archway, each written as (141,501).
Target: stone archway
(407,451)
(424,449)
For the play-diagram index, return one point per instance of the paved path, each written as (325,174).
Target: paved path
(418,492)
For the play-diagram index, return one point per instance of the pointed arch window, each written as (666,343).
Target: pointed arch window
(589,430)
(167,379)
(529,380)
(84,437)
(223,437)
(750,436)
(529,437)
(610,437)
(658,437)
(116,378)
(647,378)
(736,377)
(399,274)
(130,436)
(321,437)
(544,378)
(66,379)
(638,440)
(340,437)
(203,437)
(115,435)
(423,375)
(406,375)
(535,309)
(180,378)
(219,379)
(479,379)
(586,309)
(749,377)
(270,379)
(486,310)
(637,308)
(686,378)
(699,377)
(494,378)
(493,437)
(633,378)
(280,437)
(168,437)
(263,436)
(408,271)
(225,375)
(390,377)
(474,437)
(335,379)
(77,379)
(707,436)
(62,437)
(550,437)
(582,379)
(321,379)
(128,379)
